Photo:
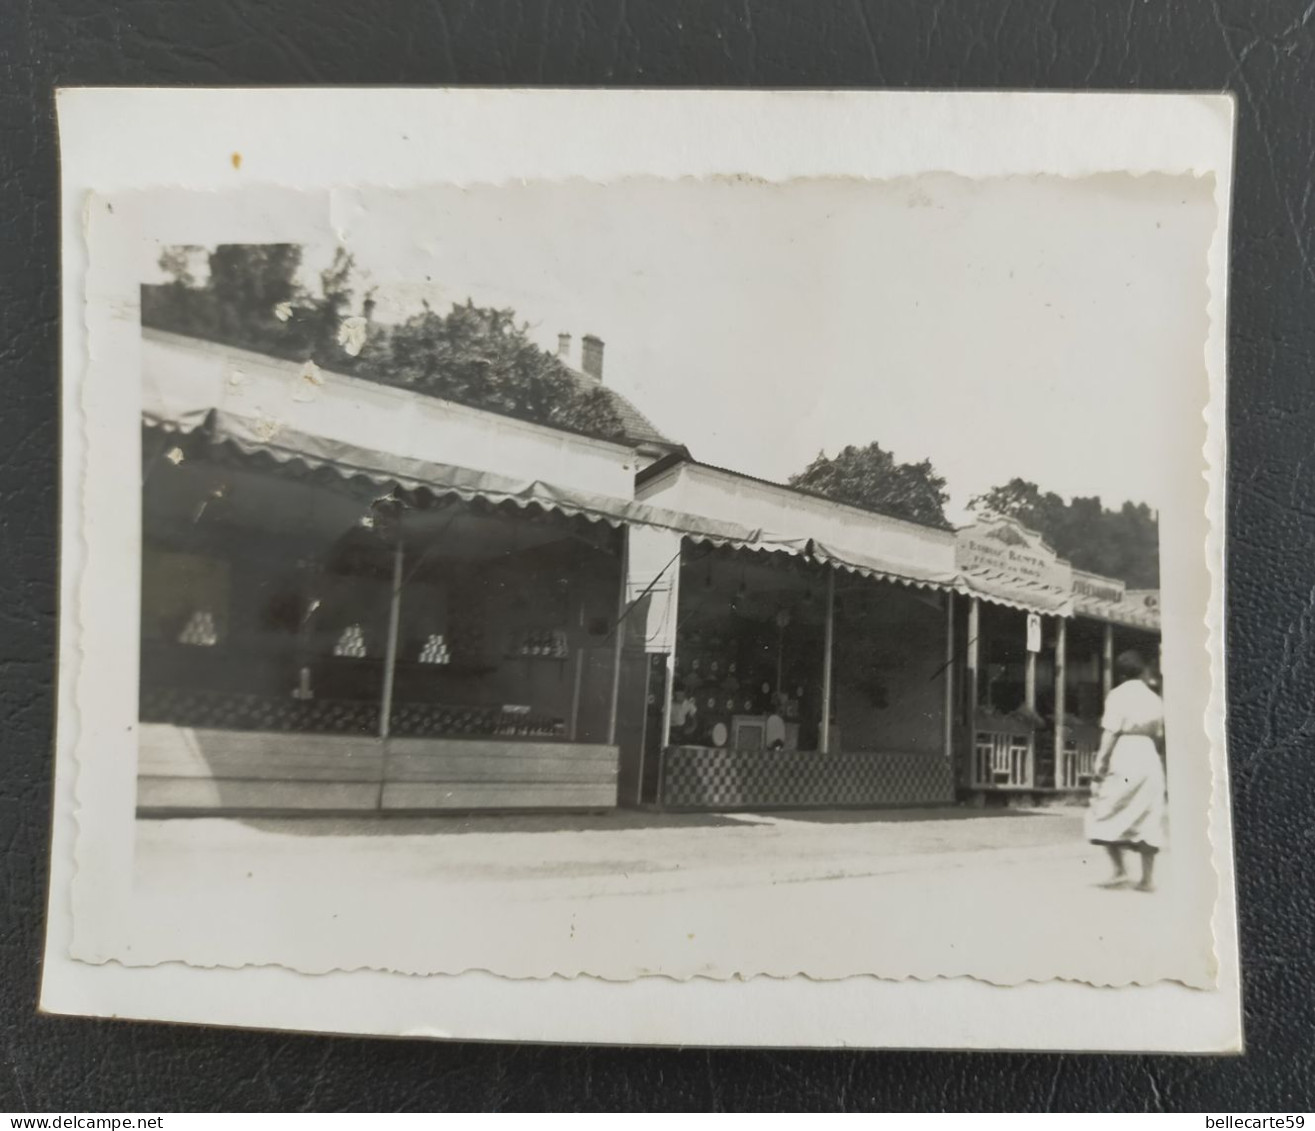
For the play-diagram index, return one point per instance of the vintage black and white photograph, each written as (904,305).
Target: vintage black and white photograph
(705,577)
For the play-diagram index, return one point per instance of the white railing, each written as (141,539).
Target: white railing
(1002,760)
(1077,764)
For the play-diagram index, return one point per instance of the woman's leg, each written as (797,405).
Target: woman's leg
(1116,858)
(1147,868)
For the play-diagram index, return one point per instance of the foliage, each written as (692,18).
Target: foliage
(480,356)
(869,477)
(1123,543)
(477,356)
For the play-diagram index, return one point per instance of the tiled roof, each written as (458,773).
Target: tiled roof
(638,427)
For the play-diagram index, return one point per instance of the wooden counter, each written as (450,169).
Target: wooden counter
(188,770)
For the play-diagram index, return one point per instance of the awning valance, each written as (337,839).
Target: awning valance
(760,541)
(852,562)
(300,452)
(1023,594)
(1128,612)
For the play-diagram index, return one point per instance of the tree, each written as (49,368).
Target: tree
(482,357)
(1123,543)
(176,262)
(1025,502)
(475,355)
(869,477)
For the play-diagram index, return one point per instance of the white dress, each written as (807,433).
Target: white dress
(1128,807)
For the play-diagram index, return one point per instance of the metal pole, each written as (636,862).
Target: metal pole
(620,636)
(824,730)
(390,655)
(949,675)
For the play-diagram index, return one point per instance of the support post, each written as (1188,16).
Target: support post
(1107,663)
(974,658)
(390,653)
(972,688)
(824,729)
(670,633)
(949,675)
(1029,697)
(618,642)
(577,678)
(669,690)
(1061,696)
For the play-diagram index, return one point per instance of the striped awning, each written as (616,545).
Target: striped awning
(226,434)
(1014,593)
(1125,612)
(760,541)
(299,453)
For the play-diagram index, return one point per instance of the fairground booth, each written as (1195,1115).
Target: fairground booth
(811,664)
(358,598)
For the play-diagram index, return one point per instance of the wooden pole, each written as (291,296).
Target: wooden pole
(620,637)
(974,658)
(780,660)
(670,639)
(1029,697)
(949,675)
(1107,663)
(973,685)
(824,729)
(669,691)
(390,654)
(576,680)
(1061,695)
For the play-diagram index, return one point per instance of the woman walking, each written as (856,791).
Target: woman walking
(1128,800)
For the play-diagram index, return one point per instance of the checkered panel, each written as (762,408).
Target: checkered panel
(696,777)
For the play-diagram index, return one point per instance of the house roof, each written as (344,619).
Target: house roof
(638,428)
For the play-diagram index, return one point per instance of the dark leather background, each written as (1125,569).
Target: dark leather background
(1261,50)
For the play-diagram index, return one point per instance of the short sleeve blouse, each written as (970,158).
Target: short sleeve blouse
(1133,708)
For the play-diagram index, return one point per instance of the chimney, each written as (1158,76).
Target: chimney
(564,346)
(591,357)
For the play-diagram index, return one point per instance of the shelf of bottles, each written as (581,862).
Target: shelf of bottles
(223,710)
(541,644)
(424,720)
(213,710)
(724,679)
(307,709)
(718,677)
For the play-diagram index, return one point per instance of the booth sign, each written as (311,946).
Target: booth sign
(1001,558)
